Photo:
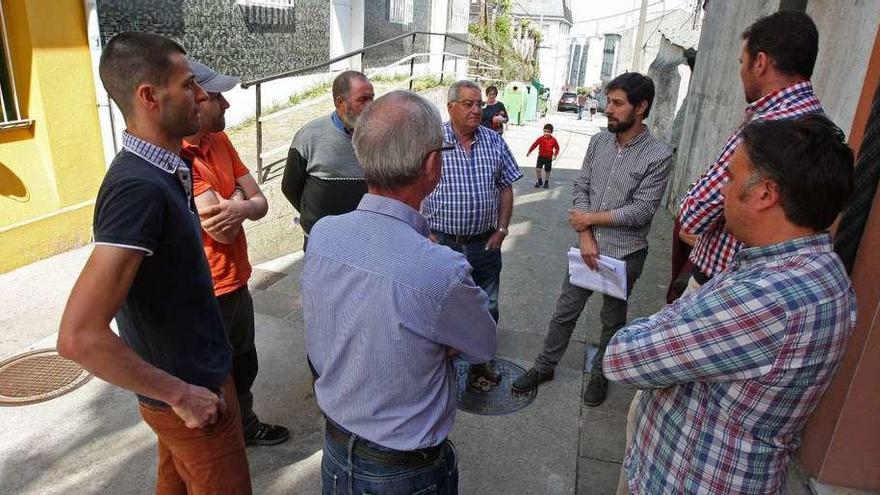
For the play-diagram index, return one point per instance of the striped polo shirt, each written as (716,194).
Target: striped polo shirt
(629,182)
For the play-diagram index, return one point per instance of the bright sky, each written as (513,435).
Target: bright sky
(591,16)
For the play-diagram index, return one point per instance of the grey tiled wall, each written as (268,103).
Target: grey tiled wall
(246,41)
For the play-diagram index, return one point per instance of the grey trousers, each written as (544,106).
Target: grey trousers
(571,304)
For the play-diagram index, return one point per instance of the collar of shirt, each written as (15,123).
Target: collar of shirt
(813,244)
(337,121)
(452,137)
(634,141)
(155,155)
(189,151)
(390,207)
(773,100)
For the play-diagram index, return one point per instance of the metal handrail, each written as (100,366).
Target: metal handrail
(360,51)
(257,83)
(479,64)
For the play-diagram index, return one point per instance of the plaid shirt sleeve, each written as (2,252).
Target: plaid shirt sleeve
(581,188)
(646,198)
(729,332)
(703,203)
(509,171)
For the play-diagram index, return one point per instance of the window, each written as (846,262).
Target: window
(400,11)
(276,4)
(10,115)
(268,16)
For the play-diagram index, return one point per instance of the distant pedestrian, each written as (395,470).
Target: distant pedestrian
(615,198)
(594,106)
(494,113)
(471,207)
(386,309)
(582,101)
(322,175)
(148,271)
(548,150)
(729,375)
(226,195)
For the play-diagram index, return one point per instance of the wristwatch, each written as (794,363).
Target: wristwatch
(503,230)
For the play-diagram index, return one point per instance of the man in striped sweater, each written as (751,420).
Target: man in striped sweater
(322,175)
(615,197)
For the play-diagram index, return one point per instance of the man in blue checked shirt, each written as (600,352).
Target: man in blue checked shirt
(385,308)
(729,374)
(470,209)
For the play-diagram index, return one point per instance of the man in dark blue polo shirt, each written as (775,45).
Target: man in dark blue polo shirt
(148,270)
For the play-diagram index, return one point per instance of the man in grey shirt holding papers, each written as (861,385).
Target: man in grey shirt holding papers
(385,310)
(615,197)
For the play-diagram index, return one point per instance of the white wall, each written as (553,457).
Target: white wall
(346,31)
(847,29)
(553,56)
(594,61)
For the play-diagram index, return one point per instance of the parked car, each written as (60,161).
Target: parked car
(567,103)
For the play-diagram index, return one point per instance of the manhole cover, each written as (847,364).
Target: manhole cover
(38,376)
(497,400)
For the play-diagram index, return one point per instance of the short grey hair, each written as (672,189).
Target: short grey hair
(454,91)
(393,136)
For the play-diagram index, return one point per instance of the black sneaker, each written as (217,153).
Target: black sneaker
(482,378)
(596,390)
(547,185)
(267,434)
(531,379)
(538,183)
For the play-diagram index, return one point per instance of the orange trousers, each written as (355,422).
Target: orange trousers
(198,461)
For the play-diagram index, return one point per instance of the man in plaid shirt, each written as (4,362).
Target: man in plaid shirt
(470,209)
(776,63)
(729,374)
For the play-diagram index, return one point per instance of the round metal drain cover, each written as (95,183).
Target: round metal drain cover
(38,376)
(493,400)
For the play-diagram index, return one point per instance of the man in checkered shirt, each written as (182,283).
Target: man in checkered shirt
(470,209)
(729,374)
(776,63)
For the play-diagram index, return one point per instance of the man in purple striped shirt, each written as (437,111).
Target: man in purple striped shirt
(730,374)
(385,308)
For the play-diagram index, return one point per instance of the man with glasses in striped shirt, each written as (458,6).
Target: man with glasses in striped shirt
(615,197)
(470,209)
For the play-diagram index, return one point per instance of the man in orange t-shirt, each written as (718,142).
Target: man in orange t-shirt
(226,194)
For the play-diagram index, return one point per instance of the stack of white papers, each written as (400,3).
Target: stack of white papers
(609,279)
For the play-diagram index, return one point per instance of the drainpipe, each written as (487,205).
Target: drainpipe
(107,119)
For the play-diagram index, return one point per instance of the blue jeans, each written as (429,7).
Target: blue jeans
(580,112)
(343,472)
(486,266)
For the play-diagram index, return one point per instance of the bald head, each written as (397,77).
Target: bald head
(393,136)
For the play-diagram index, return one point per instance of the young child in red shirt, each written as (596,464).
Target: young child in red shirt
(548,150)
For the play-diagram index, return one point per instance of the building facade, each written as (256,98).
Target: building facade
(51,160)
(554,19)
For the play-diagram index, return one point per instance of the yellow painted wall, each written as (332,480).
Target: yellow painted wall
(49,173)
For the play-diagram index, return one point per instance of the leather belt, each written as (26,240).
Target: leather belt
(400,458)
(467,239)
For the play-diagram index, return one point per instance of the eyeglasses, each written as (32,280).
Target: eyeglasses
(471,104)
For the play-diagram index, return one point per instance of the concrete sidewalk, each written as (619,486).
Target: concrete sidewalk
(92,440)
